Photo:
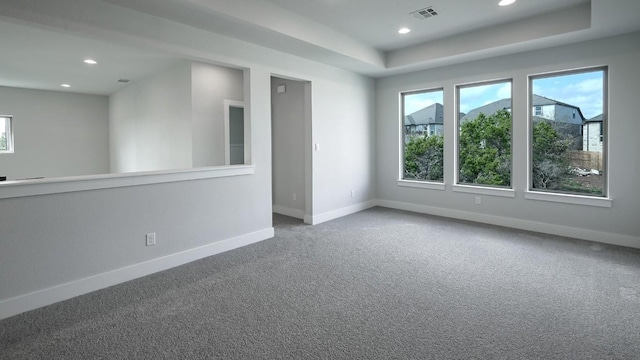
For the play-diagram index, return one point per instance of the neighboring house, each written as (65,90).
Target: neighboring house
(557,111)
(592,131)
(489,109)
(543,108)
(427,121)
(567,119)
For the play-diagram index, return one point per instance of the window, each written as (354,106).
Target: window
(538,111)
(484,137)
(235,134)
(423,151)
(567,151)
(6,135)
(601,131)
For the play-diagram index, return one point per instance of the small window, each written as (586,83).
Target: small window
(6,134)
(538,111)
(423,146)
(601,132)
(235,136)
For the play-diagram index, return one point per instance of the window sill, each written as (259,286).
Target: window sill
(483,190)
(421,184)
(21,188)
(569,199)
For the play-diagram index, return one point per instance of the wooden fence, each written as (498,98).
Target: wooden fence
(586,159)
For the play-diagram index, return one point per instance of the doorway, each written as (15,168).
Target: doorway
(291,147)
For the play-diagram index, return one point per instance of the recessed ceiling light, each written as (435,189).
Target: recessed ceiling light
(506,2)
(66,85)
(404,31)
(90,61)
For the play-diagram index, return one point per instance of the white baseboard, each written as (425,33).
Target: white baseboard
(36,299)
(282,210)
(317,219)
(553,229)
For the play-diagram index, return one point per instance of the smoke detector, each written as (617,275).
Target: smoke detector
(425,13)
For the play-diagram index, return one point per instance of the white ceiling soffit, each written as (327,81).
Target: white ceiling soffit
(264,24)
(480,28)
(490,40)
(283,25)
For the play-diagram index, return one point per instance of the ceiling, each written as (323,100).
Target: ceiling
(34,58)
(357,35)
(376,23)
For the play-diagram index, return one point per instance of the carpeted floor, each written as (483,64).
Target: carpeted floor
(380,284)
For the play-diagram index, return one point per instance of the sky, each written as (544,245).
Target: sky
(583,90)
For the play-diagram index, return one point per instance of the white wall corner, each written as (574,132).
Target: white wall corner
(334,214)
(287,211)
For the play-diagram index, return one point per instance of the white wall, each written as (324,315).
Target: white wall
(55,133)
(48,255)
(211,85)
(288,147)
(173,119)
(345,162)
(618,224)
(150,123)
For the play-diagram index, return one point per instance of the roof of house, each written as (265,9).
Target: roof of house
(487,109)
(432,114)
(595,119)
(503,104)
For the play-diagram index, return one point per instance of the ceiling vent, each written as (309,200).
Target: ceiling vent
(425,13)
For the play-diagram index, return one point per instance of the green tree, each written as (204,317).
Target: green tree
(3,142)
(424,157)
(551,168)
(485,150)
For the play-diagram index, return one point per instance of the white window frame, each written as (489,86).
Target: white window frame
(8,119)
(479,189)
(570,198)
(412,183)
(227,141)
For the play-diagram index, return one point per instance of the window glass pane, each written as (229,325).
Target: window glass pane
(4,134)
(423,135)
(484,141)
(567,140)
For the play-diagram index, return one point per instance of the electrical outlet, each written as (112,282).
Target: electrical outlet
(353,193)
(478,200)
(151,239)
(294,196)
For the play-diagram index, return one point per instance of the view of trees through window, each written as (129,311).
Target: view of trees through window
(567,112)
(423,131)
(568,134)
(484,138)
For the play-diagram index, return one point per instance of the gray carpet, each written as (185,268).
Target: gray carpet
(380,284)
